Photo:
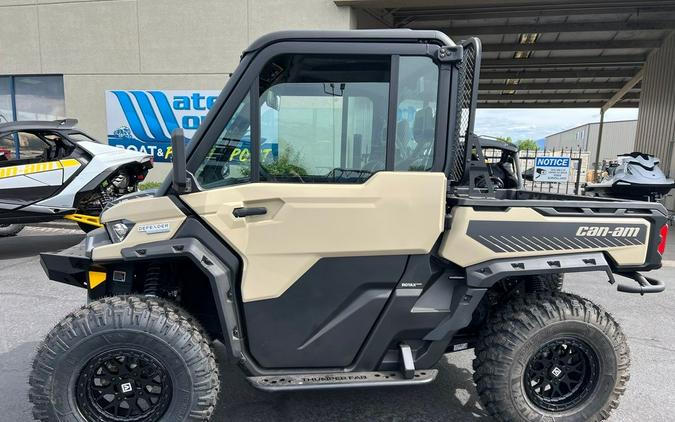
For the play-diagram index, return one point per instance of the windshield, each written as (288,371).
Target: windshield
(79,137)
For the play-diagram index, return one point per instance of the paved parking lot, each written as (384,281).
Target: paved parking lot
(30,305)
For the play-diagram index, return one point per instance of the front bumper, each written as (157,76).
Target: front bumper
(69,266)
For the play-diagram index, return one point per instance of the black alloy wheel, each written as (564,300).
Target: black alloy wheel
(550,356)
(124,385)
(125,359)
(561,374)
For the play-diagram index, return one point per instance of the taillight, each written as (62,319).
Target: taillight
(664,236)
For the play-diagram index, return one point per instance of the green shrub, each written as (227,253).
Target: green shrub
(286,164)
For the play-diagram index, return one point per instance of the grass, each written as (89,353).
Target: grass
(149,185)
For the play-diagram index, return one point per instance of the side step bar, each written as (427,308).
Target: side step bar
(341,380)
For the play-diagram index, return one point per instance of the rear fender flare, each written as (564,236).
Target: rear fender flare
(486,274)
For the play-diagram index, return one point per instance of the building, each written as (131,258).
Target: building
(63,58)
(617,138)
(58,58)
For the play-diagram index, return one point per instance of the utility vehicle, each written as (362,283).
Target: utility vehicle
(332,225)
(51,170)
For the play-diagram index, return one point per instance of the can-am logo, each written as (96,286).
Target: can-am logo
(599,231)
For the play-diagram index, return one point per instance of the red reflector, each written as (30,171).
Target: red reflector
(140,177)
(664,236)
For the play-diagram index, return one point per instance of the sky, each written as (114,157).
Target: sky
(538,123)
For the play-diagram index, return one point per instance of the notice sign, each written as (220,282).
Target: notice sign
(143,120)
(551,169)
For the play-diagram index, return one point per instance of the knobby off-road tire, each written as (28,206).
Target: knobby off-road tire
(7,230)
(555,339)
(139,351)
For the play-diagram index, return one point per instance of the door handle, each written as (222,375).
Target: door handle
(247,211)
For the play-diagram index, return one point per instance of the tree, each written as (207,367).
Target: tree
(525,144)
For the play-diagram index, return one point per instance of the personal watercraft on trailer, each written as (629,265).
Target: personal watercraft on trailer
(634,176)
(51,170)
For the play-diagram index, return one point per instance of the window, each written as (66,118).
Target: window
(38,97)
(31,148)
(6,114)
(229,160)
(81,137)
(416,114)
(323,119)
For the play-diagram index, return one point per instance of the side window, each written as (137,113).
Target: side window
(229,160)
(31,148)
(323,119)
(7,149)
(416,114)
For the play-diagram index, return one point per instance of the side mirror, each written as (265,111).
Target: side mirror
(179,174)
(272,100)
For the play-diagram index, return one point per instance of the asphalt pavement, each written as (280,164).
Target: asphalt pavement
(30,305)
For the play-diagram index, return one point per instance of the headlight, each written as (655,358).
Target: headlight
(118,230)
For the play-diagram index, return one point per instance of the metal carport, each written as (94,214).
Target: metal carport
(543,53)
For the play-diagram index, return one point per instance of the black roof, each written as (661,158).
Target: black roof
(38,125)
(379,35)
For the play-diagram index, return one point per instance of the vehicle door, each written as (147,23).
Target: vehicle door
(320,172)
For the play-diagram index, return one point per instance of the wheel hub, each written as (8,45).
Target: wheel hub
(124,385)
(561,374)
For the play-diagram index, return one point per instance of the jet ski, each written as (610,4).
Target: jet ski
(635,176)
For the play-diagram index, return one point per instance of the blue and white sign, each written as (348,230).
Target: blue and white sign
(142,120)
(551,169)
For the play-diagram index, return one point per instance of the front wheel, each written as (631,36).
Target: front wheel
(124,359)
(555,357)
(7,230)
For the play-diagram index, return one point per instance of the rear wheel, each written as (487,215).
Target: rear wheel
(124,359)
(554,357)
(7,230)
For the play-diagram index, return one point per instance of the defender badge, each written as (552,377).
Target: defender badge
(154,228)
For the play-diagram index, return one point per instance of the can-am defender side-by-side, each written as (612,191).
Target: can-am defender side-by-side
(51,170)
(334,224)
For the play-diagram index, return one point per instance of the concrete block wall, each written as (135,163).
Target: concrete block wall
(98,45)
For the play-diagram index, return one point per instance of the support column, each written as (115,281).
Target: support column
(597,149)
